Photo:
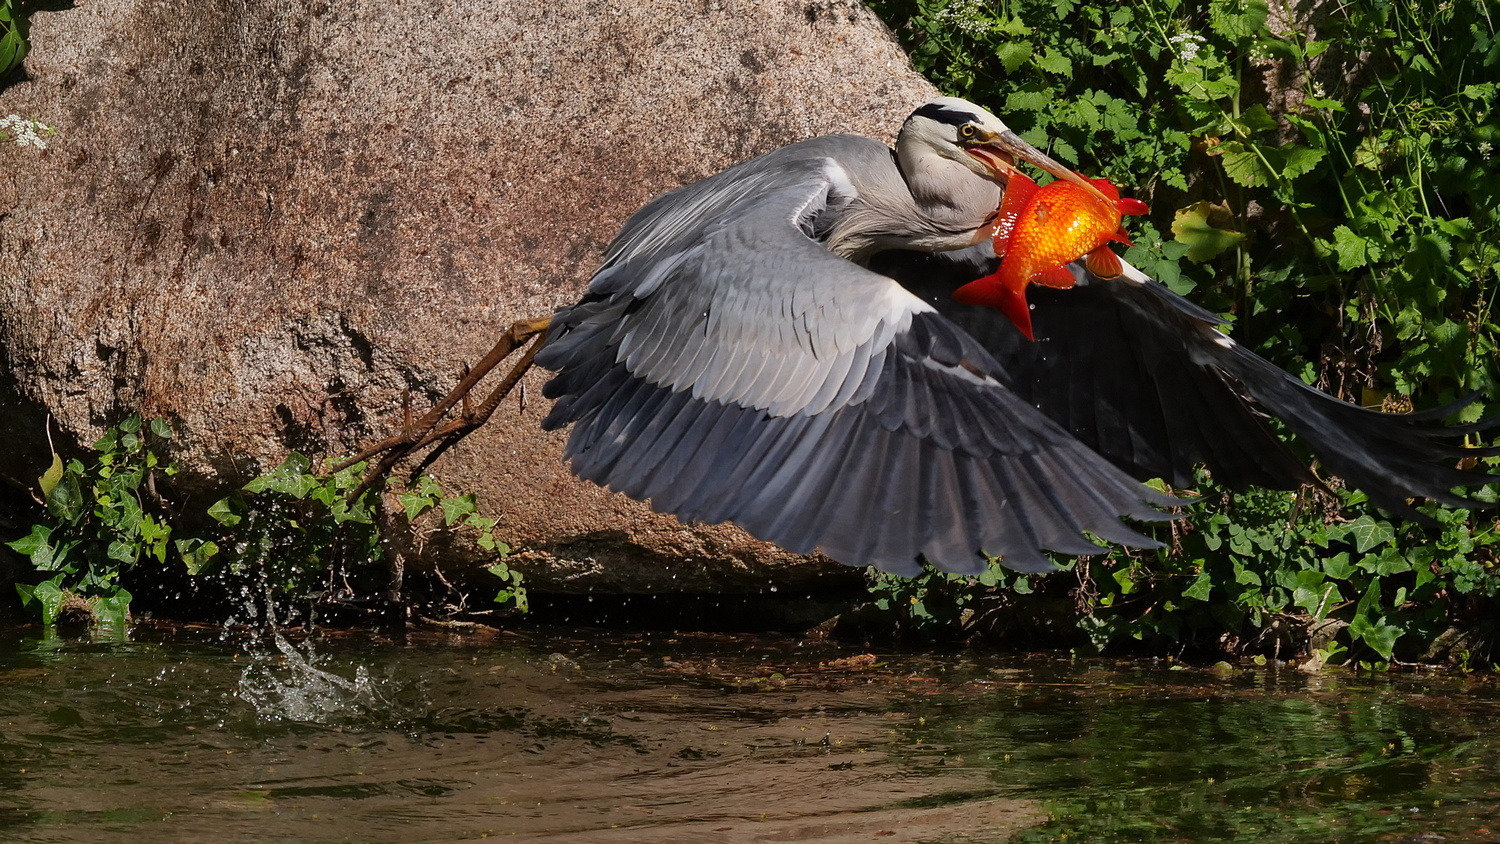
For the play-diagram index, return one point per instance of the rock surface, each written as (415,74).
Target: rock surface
(266,221)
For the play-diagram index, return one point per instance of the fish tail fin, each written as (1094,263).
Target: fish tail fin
(1132,207)
(1008,299)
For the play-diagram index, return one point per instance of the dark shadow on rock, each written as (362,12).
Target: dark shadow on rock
(600,558)
(770,611)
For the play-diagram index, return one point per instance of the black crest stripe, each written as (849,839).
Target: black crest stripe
(944,114)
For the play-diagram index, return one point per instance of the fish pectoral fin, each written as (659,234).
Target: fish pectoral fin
(1107,188)
(1055,277)
(992,293)
(1103,263)
(1018,193)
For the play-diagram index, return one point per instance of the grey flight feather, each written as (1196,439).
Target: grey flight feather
(1145,378)
(777,345)
(727,366)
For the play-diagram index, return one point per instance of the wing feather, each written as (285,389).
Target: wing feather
(727,366)
(1146,378)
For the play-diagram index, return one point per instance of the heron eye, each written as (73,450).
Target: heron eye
(966,131)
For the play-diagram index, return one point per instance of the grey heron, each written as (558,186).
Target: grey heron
(776,346)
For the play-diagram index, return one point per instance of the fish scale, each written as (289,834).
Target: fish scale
(1038,232)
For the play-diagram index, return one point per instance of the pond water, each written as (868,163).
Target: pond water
(172,734)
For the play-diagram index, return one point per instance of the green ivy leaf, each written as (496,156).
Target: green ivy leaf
(1200,589)
(293,477)
(65,501)
(1338,566)
(13,50)
(112,609)
(125,553)
(1368,533)
(222,512)
(1375,632)
(457,507)
(49,478)
(415,504)
(1391,561)
(196,554)
(50,596)
(28,544)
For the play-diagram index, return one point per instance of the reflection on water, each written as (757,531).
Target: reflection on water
(596,736)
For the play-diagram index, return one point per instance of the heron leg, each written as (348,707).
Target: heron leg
(431,428)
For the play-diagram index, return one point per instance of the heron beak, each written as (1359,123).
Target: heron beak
(1002,150)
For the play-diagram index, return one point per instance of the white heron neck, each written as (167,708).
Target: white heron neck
(948,193)
(924,202)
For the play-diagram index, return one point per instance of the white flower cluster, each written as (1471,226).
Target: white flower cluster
(24,131)
(967,16)
(1187,45)
(1484,149)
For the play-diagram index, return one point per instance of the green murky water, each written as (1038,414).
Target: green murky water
(598,736)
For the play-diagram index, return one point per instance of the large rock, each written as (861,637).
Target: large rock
(266,221)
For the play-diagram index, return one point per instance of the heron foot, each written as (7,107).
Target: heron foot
(435,428)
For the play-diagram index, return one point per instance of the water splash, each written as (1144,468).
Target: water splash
(287,685)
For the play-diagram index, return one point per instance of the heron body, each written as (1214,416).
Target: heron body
(777,345)
(1038,232)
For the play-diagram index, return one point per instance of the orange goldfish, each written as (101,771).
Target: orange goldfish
(1039,231)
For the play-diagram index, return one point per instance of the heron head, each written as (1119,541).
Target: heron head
(958,130)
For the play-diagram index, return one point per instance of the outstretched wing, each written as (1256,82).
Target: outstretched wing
(726,366)
(1147,379)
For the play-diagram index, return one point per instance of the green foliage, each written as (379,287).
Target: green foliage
(1366,188)
(1333,185)
(1262,564)
(1259,572)
(15,26)
(427,497)
(308,535)
(296,531)
(103,517)
(934,605)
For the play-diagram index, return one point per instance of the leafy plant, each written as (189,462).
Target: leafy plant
(427,497)
(1348,214)
(15,26)
(307,535)
(104,516)
(1325,178)
(300,534)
